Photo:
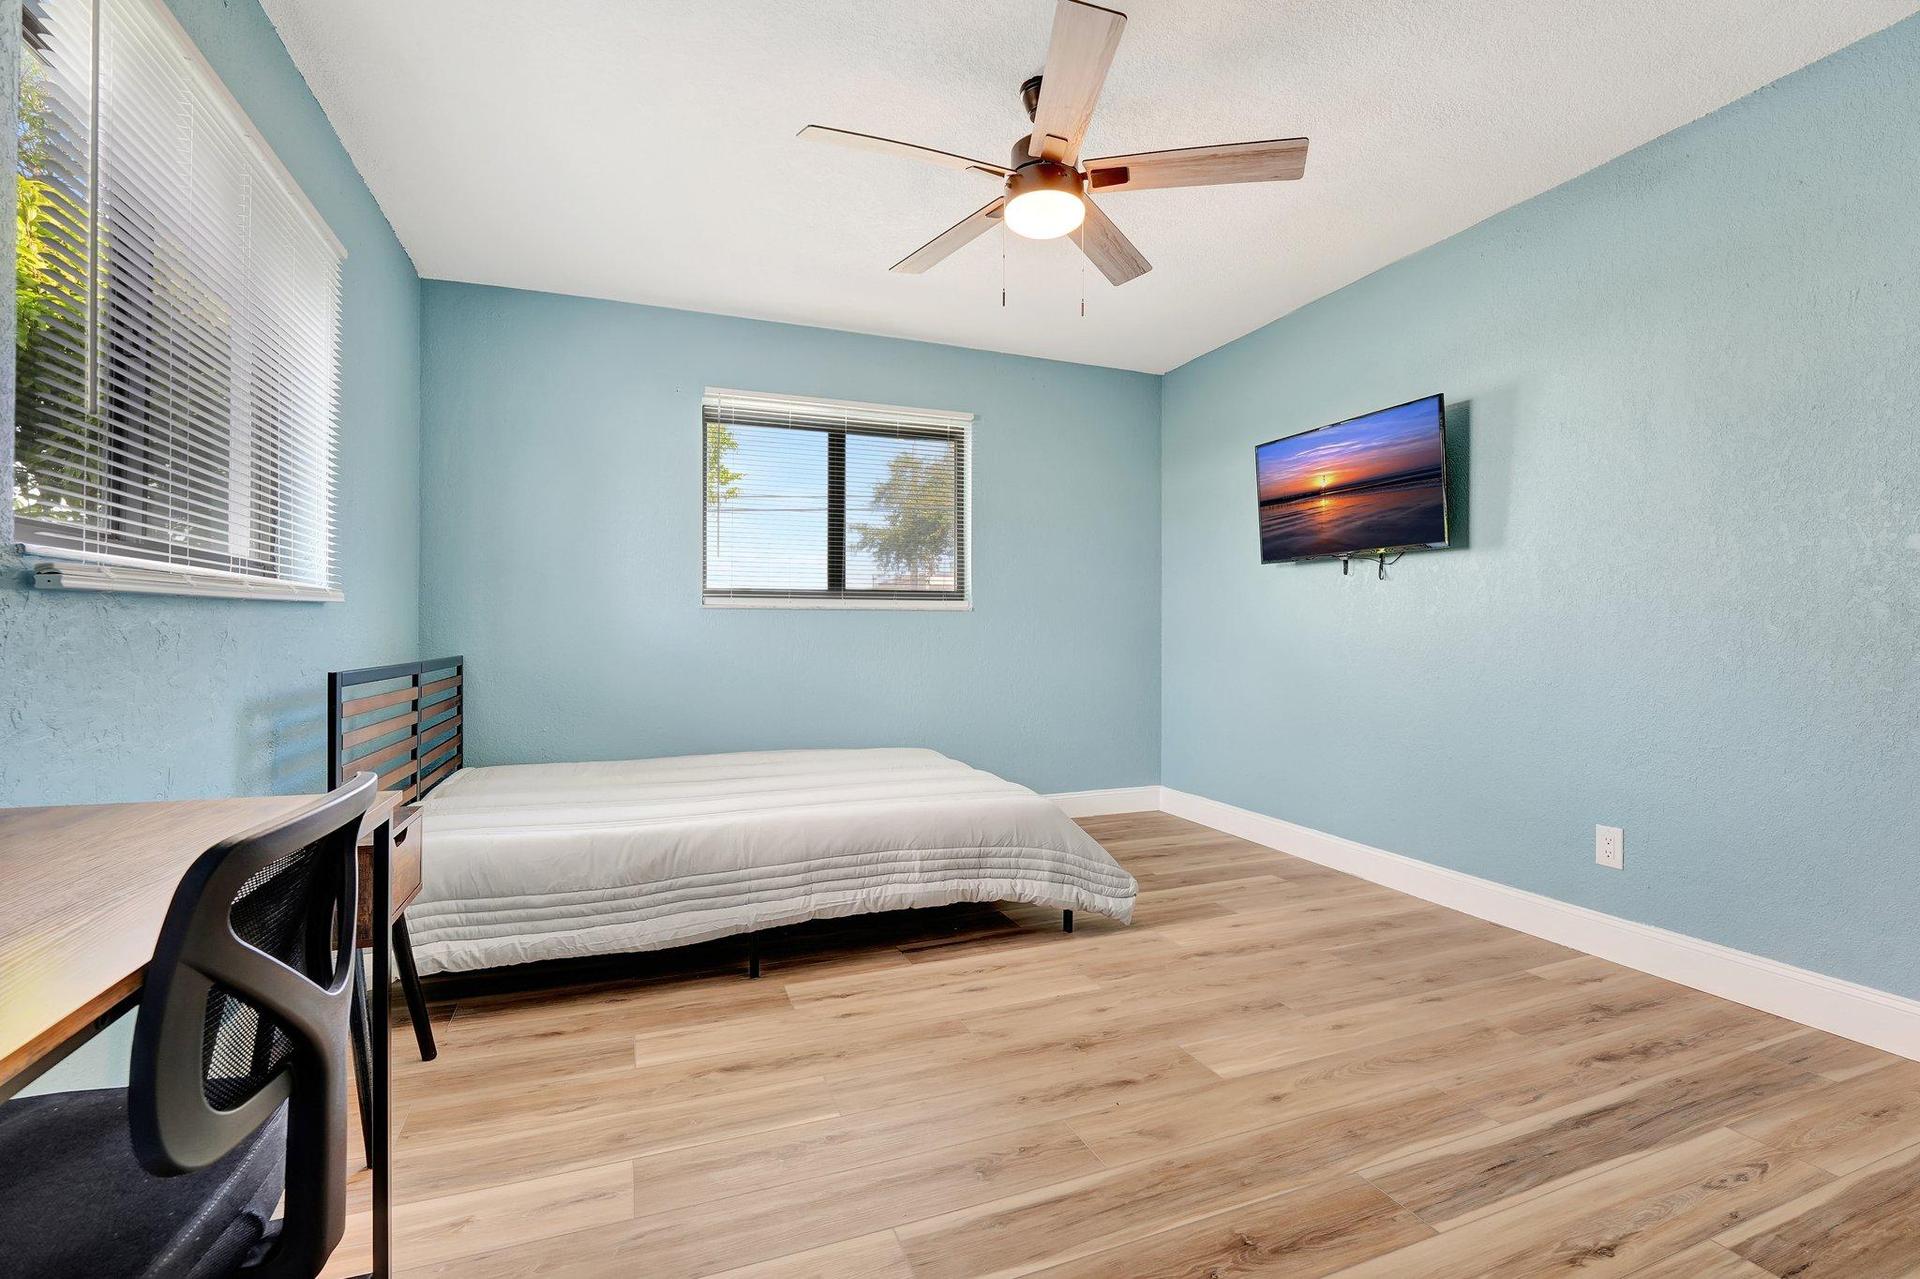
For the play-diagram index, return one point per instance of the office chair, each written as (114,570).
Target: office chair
(237,1090)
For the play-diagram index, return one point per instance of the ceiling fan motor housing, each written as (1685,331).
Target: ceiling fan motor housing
(1030,95)
(1030,174)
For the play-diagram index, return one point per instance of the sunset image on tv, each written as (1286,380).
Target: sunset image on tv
(1374,483)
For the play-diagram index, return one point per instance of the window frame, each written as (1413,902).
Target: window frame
(142,563)
(858,418)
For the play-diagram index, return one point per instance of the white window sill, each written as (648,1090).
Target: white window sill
(911,606)
(62,569)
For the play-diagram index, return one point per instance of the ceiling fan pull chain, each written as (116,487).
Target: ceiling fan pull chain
(1083,270)
(1003,268)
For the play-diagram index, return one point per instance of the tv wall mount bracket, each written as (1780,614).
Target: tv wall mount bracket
(1380,557)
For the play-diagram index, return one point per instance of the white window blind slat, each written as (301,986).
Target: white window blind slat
(823,502)
(179,390)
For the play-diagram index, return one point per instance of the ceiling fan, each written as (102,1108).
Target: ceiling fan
(1048,187)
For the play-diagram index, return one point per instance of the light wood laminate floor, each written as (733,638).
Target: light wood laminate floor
(1277,1070)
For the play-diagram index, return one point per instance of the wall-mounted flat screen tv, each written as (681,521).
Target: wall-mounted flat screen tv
(1359,487)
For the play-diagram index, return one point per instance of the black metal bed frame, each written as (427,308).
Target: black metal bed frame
(417,762)
(753,942)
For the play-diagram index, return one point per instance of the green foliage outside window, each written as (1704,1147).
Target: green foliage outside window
(723,483)
(916,500)
(48,464)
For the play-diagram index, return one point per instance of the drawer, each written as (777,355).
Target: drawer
(408,838)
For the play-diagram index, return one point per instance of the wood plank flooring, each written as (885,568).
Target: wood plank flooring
(1277,1070)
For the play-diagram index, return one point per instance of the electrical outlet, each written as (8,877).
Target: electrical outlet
(1610,847)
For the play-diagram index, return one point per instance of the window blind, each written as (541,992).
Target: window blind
(179,319)
(822,502)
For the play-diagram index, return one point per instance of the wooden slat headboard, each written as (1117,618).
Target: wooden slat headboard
(402,722)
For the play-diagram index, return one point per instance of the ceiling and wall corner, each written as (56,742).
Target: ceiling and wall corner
(646,152)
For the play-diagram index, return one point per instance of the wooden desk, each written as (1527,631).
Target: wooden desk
(83,892)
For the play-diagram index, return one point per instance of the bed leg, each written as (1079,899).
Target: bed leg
(753,955)
(1066,921)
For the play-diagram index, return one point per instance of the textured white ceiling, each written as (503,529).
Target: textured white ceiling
(645,151)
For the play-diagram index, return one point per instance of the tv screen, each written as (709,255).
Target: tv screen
(1369,484)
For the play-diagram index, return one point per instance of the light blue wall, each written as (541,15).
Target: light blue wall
(126,697)
(1689,599)
(561,549)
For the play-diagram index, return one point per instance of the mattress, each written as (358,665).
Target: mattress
(551,861)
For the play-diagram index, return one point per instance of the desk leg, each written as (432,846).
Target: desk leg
(363,1057)
(382,1081)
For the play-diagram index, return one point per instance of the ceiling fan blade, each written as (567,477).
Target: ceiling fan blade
(949,241)
(1280,160)
(1081,50)
(888,146)
(1109,250)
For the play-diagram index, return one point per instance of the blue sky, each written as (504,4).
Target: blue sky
(773,536)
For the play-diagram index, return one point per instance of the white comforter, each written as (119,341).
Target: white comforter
(547,861)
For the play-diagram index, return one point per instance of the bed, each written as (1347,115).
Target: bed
(534,862)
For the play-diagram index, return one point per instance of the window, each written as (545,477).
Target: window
(814,502)
(179,323)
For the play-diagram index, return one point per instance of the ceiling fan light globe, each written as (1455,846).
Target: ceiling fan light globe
(1045,214)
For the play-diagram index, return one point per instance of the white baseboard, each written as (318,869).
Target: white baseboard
(1100,803)
(1885,1021)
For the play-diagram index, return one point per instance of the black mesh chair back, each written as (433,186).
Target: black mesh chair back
(245,1009)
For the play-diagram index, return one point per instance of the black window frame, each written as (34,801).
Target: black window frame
(958,436)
